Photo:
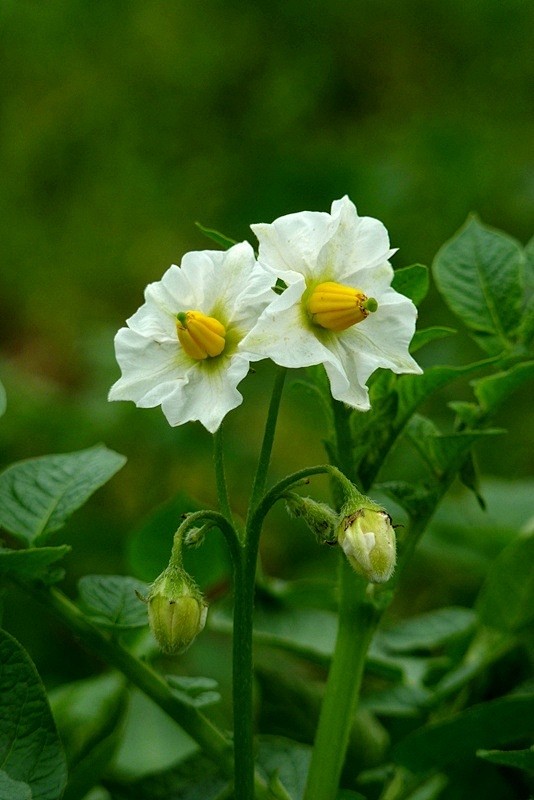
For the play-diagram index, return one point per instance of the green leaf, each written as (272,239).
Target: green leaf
(112,601)
(3,399)
(30,749)
(415,389)
(151,742)
(429,631)
(493,390)
(394,409)
(427,335)
(412,282)
(429,789)
(307,632)
(443,453)
(88,714)
(399,700)
(479,273)
(497,722)
(224,241)
(195,778)
(38,495)
(522,759)
(506,600)
(33,563)
(195,691)
(13,790)
(286,760)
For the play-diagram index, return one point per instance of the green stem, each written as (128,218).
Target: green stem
(356,625)
(258,486)
(244,582)
(355,629)
(243,677)
(227,529)
(220,476)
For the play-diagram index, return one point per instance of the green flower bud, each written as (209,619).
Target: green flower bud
(368,540)
(319,517)
(176,610)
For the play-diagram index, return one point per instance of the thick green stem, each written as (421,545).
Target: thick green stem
(355,629)
(356,625)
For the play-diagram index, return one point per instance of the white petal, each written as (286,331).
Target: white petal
(244,287)
(384,337)
(282,336)
(150,370)
(356,243)
(293,242)
(209,394)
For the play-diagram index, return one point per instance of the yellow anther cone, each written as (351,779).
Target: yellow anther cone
(200,336)
(336,307)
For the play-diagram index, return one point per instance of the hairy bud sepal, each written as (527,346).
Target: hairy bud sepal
(367,538)
(176,610)
(319,517)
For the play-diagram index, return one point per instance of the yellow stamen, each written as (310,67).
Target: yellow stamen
(337,307)
(200,336)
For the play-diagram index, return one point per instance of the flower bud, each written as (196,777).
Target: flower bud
(368,540)
(176,610)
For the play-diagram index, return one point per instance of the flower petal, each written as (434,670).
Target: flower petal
(293,242)
(150,370)
(356,243)
(209,393)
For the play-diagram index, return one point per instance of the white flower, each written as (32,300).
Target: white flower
(183,348)
(338,308)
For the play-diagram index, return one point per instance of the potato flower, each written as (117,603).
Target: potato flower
(183,348)
(338,308)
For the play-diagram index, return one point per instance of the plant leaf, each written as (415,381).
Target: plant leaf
(443,453)
(479,273)
(33,563)
(3,399)
(195,778)
(38,495)
(30,749)
(13,790)
(223,241)
(195,691)
(411,392)
(522,759)
(428,631)
(427,335)
(112,601)
(88,714)
(496,722)
(412,282)
(506,600)
(492,390)
(286,760)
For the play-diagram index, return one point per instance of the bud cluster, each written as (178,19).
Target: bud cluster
(363,530)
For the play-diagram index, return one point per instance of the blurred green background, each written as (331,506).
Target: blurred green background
(124,122)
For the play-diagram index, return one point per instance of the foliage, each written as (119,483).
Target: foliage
(443,689)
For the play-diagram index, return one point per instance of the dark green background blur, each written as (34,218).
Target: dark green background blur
(125,121)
